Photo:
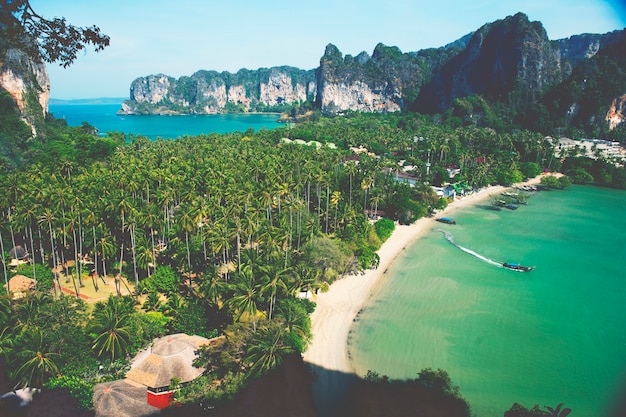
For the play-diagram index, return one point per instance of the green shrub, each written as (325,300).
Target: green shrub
(384,228)
(78,388)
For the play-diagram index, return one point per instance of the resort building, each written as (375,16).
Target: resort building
(591,148)
(148,386)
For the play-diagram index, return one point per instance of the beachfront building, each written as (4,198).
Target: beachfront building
(459,189)
(149,385)
(592,148)
(168,358)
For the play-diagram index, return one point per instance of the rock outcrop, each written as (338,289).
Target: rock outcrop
(509,56)
(617,112)
(28,83)
(345,85)
(510,62)
(207,92)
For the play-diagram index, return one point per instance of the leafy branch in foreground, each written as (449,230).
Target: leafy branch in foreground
(53,40)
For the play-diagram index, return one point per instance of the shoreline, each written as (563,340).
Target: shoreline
(337,309)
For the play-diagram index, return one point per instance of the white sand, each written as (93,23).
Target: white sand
(337,308)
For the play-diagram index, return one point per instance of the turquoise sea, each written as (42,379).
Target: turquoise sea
(104,117)
(554,335)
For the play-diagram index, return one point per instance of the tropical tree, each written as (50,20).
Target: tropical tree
(246,297)
(275,280)
(111,326)
(54,40)
(558,412)
(37,363)
(267,348)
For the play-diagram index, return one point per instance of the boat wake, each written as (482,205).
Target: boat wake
(450,239)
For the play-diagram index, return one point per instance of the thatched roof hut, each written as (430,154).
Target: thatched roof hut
(18,252)
(122,399)
(169,357)
(19,285)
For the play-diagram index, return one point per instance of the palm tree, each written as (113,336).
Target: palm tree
(48,217)
(366,184)
(106,248)
(351,170)
(334,200)
(145,256)
(4,263)
(37,364)
(246,298)
(111,326)
(275,280)
(296,320)
(267,349)
(187,225)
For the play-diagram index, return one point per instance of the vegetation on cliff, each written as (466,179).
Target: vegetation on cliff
(219,234)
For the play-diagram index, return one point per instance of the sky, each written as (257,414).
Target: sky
(180,37)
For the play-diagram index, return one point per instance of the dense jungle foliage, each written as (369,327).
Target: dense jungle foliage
(215,235)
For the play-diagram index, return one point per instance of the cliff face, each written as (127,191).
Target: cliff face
(346,85)
(617,112)
(510,62)
(207,92)
(28,83)
(508,56)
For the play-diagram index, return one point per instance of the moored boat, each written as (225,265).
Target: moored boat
(517,267)
(446,220)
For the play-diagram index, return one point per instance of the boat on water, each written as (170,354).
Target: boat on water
(511,206)
(446,220)
(517,267)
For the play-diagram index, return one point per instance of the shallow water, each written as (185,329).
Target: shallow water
(555,334)
(104,117)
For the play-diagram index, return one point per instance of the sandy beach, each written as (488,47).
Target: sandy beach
(337,309)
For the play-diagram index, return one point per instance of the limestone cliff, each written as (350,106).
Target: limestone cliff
(28,83)
(207,92)
(509,65)
(344,85)
(509,60)
(591,97)
(509,55)
(617,112)
(382,83)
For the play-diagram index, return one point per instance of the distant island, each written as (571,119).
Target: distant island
(83,101)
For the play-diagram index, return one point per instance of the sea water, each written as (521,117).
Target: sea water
(104,117)
(554,335)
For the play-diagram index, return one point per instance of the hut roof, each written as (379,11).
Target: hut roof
(20,283)
(169,357)
(18,252)
(122,399)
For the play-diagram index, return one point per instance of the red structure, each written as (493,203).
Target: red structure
(160,400)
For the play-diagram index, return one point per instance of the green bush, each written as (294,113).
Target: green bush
(164,280)
(384,228)
(78,388)
(42,273)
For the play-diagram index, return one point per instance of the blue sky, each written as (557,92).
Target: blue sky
(180,37)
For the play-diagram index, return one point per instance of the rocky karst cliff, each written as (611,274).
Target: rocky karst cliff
(510,62)
(617,112)
(207,92)
(28,83)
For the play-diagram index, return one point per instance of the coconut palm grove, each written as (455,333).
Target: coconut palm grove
(121,240)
